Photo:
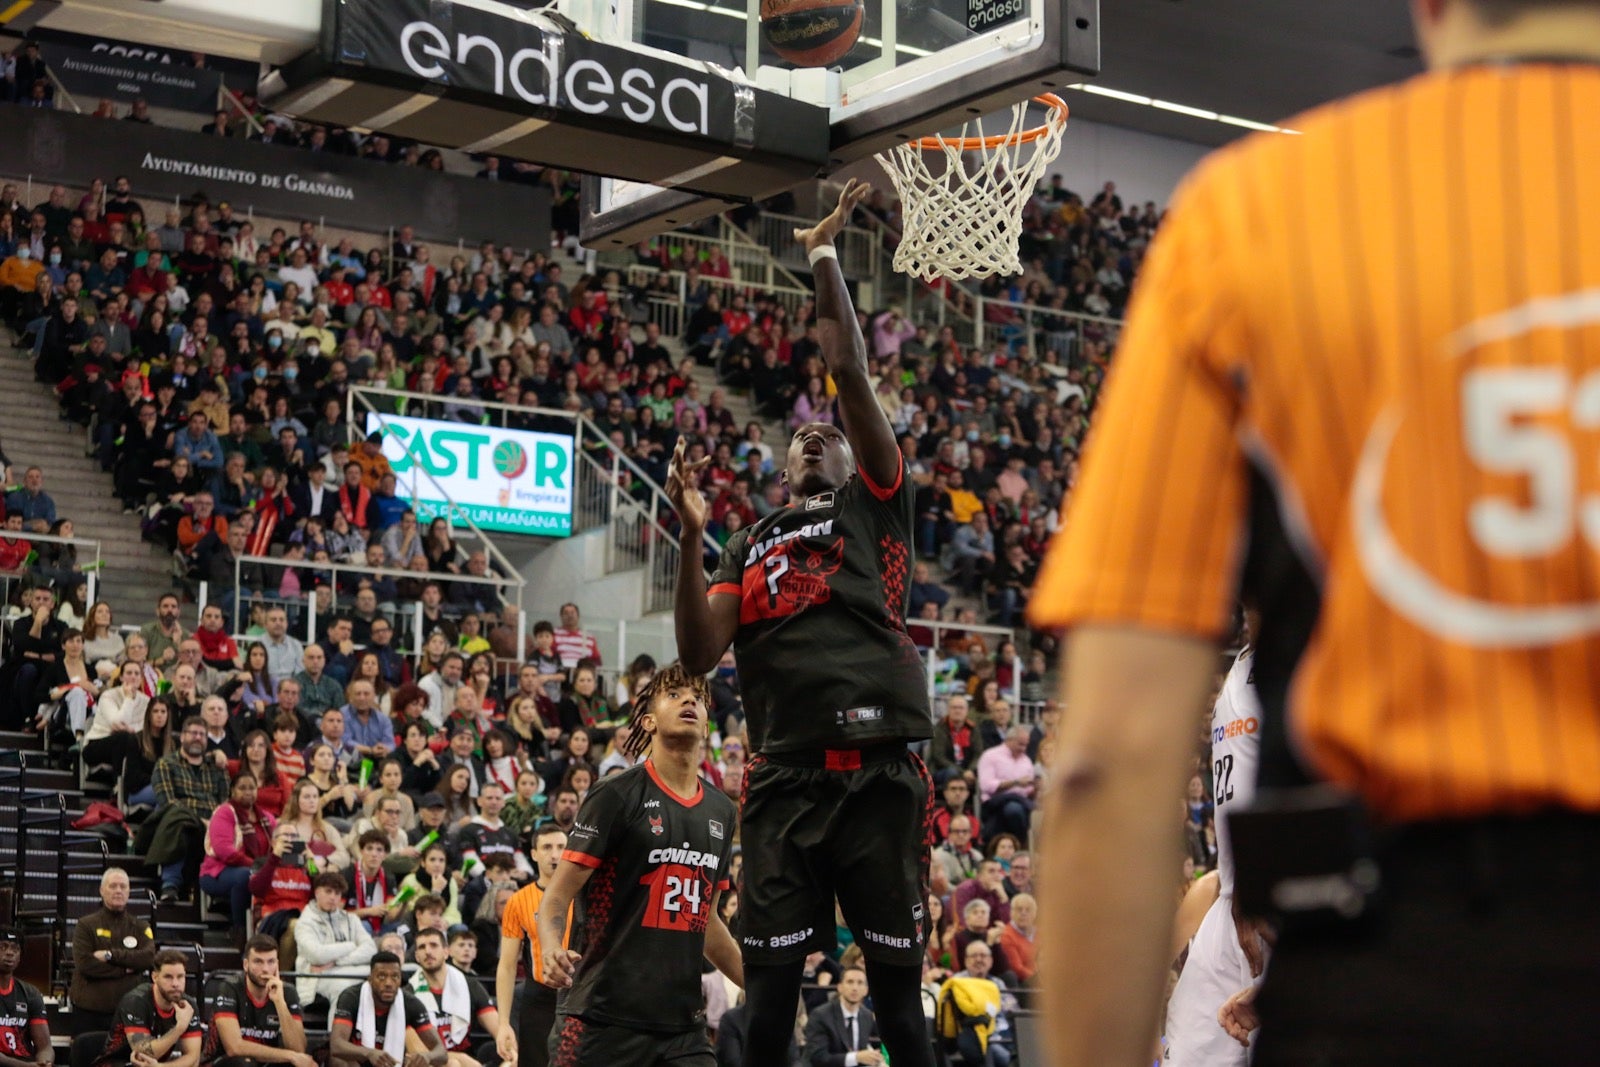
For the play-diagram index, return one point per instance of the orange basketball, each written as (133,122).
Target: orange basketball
(811,33)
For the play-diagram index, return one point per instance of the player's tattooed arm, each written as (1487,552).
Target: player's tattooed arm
(559,962)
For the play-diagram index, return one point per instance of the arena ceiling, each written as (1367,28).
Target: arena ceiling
(1258,59)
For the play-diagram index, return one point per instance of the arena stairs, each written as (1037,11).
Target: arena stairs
(33,434)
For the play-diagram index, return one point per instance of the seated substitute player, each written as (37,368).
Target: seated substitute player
(813,598)
(24,1029)
(373,1021)
(255,1018)
(155,1023)
(649,853)
(457,1002)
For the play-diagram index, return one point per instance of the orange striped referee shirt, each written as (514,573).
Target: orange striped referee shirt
(1393,322)
(521,920)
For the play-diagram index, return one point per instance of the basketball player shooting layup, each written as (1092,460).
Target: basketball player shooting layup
(649,852)
(813,599)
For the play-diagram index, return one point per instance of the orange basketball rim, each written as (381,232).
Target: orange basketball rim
(1058,106)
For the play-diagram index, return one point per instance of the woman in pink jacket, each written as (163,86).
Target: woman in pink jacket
(239,834)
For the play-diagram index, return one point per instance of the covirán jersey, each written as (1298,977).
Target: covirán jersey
(137,1014)
(21,1006)
(258,1020)
(659,860)
(824,657)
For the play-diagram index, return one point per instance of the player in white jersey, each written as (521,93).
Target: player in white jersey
(1219,965)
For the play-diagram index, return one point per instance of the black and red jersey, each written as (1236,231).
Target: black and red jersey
(659,860)
(258,1019)
(137,1014)
(824,657)
(21,1005)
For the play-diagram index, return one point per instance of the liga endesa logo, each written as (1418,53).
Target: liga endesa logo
(540,75)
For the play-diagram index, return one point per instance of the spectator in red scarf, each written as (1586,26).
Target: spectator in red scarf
(238,834)
(217,647)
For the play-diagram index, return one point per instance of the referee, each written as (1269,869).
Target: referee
(527,1042)
(1360,380)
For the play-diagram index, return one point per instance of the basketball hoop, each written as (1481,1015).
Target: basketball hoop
(961,224)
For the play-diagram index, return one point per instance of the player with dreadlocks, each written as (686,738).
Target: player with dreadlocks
(649,856)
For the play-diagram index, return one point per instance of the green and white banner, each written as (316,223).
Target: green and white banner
(509,481)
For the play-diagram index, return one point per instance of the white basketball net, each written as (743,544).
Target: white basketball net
(961,223)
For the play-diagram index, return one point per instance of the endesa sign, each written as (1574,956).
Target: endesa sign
(508,481)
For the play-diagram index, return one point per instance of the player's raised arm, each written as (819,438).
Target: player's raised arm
(704,625)
(844,349)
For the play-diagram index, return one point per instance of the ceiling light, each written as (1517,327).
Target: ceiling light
(1168,105)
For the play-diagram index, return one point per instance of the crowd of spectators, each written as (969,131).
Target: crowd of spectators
(211,365)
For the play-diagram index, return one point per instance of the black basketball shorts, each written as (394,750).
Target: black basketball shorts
(855,824)
(581,1043)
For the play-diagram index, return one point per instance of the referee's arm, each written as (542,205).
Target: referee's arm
(1125,746)
(505,991)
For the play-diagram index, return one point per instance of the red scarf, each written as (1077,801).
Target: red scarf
(361,894)
(255,837)
(269,509)
(357,514)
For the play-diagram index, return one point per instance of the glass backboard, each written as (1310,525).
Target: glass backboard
(919,66)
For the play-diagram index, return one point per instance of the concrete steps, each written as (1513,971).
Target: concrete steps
(135,573)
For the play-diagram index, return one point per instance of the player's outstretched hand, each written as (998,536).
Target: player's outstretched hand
(683,487)
(1238,1015)
(824,232)
(559,965)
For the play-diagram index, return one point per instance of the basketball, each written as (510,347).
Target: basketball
(811,33)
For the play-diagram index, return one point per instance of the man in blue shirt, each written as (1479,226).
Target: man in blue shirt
(198,444)
(339,650)
(31,501)
(105,278)
(365,727)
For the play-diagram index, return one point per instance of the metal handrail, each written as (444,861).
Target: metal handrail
(858,248)
(1030,312)
(736,238)
(357,392)
(91,573)
(61,90)
(231,102)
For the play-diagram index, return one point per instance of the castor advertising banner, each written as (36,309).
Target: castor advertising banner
(508,481)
